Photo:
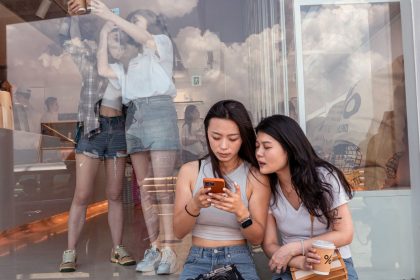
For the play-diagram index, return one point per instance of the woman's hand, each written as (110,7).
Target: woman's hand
(306,262)
(280,259)
(311,257)
(230,202)
(201,199)
(72,7)
(101,10)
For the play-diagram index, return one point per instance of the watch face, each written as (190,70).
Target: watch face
(246,223)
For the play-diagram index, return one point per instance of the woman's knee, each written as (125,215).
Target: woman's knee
(114,196)
(81,198)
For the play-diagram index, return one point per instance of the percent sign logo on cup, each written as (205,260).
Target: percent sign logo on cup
(328,259)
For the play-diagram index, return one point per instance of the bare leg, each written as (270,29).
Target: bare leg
(86,169)
(141,165)
(115,169)
(163,166)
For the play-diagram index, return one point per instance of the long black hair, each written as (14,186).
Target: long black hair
(188,116)
(314,190)
(235,111)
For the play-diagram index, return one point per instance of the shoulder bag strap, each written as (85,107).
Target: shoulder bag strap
(312,225)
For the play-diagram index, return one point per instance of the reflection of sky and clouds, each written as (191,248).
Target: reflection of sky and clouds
(344,47)
(354,88)
(342,53)
(221,55)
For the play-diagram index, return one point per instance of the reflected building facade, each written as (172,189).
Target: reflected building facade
(347,71)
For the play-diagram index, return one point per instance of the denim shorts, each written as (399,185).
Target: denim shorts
(352,274)
(203,260)
(109,143)
(151,125)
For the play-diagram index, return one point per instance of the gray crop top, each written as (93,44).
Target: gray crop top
(112,98)
(215,224)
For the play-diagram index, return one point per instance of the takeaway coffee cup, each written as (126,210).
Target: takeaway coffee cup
(325,250)
(83,6)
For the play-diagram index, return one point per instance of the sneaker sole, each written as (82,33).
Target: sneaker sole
(124,264)
(145,270)
(150,269)
(171,271)
(67,270)
(165,273)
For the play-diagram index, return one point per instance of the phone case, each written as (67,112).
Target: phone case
(216,184)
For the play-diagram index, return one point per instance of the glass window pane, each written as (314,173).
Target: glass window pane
(354,88)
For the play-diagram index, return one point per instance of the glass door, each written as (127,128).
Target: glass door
(352,104)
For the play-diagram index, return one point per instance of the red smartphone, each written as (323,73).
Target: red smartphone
(216,184)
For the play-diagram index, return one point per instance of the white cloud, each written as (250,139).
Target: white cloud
(233,65)
(169,8)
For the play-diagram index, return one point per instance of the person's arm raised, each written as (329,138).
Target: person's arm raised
(141,36)
(104,69)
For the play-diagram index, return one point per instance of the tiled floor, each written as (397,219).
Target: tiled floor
(39,258)
(36,253)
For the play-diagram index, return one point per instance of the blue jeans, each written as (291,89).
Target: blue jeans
(151,125)
(351,272)
(203,260)
(108,144)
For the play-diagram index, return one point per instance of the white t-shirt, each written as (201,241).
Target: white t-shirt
(149,74)
(295,225)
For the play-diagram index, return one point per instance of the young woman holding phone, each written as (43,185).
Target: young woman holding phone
(222,223)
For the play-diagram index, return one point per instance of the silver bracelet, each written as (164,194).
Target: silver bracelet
(303,248)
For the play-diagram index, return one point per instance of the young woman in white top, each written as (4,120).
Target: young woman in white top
(151,125)
(221,224)
(305,185)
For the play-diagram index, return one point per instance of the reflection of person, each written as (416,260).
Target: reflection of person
(221,224)
(101,137)
(306,186)
(22,109)
(292,109)
(193,135)
(151,129)
(51,115)
(6,108)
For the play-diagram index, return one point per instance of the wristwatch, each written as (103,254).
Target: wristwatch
(246,223)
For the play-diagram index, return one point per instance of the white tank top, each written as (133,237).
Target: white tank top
(112,98)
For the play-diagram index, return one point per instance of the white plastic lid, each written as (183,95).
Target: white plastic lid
(323,244)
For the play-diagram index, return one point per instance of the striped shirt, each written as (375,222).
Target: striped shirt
(90,94)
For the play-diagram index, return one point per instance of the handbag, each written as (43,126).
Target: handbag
(227,272)
(338,267)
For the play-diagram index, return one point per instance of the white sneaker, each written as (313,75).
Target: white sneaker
(69,261)
(150,261)
(168,263)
